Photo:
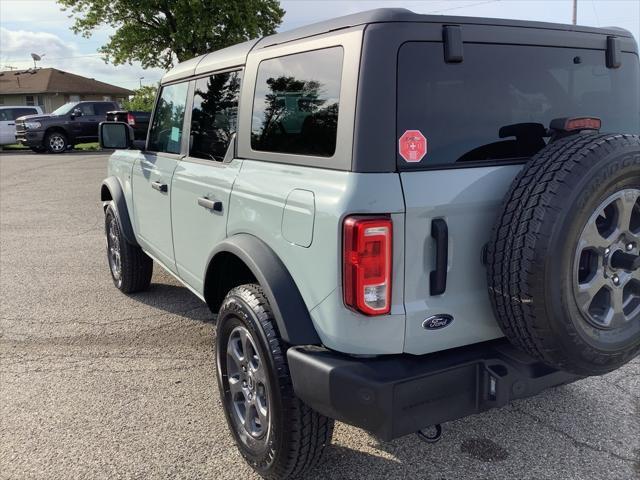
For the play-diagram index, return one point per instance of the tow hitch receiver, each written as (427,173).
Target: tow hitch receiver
(431,434)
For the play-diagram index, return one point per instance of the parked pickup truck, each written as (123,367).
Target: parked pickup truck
(70,124)
(138,120)
(398,219)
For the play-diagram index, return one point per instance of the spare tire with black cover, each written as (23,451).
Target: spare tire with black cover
(563,261)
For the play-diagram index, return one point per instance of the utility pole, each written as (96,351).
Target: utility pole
(575,12)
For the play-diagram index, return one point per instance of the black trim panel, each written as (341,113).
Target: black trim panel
(396,395)
(290,311)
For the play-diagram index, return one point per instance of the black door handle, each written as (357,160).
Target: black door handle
(438,277)
(159,186)
(10,124)
(214,205)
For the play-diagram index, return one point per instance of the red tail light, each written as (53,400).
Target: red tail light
(131,120)
(367,264)
(584,123)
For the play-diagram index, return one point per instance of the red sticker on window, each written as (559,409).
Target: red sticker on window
(412,146)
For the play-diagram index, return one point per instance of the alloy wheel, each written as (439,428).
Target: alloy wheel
(113,247)
(57,143)
(248,386)
(607,262)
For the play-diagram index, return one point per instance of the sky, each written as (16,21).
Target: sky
(40,26)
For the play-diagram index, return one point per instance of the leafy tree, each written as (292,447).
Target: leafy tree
(142,100)
(157,32)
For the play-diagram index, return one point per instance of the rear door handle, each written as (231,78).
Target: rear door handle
(159,186)
(438,277)
(214,205)
(10,124)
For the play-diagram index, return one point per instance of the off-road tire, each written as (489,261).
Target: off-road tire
(56,142)
(531,255)
(136,267)
(297,434)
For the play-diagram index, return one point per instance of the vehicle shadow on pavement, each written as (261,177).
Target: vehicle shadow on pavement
(175,299)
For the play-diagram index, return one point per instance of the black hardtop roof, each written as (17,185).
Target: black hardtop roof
(383,15)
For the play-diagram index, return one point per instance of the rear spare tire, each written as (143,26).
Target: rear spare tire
(563,259)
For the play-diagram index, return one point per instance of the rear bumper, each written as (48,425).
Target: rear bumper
(30,138)
(400,394)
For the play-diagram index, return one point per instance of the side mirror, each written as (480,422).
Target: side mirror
(115,135)
(76,113)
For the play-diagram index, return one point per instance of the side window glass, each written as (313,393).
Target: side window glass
(215,115)
(5,114)
(166,128)
(102,108)
(295,109)
(87,109)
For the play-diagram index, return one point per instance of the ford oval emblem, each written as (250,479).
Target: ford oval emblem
(436,322)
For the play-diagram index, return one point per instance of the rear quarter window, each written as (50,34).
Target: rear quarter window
(296,104)
(497,103)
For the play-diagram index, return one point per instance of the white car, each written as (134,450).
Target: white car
(8,116)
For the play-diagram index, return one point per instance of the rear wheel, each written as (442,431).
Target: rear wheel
(277,434)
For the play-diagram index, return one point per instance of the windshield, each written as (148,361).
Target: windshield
(64,109)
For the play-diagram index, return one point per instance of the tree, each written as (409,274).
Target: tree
(158,32)
(142,100)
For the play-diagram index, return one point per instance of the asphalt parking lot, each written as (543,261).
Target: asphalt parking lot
(95,384)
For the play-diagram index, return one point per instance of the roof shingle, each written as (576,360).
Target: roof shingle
(52,80)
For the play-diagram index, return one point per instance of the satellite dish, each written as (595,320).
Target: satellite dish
(36,58)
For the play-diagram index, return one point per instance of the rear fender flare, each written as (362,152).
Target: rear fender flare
(291,313)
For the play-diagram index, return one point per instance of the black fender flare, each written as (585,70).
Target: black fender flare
(116,194)
(291,313)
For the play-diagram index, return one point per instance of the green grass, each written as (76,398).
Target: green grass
(88,147)
(14,146)
(83,147)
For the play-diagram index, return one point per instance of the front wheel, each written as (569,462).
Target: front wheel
(277,434)
(130,267)
(56,142)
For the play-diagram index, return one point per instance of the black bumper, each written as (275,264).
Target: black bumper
(30,138)
(396,395)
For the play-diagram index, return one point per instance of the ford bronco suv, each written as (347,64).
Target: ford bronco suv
(398,219)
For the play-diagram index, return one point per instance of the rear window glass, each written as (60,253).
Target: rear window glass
(214,115)
(497,103)
(296,103)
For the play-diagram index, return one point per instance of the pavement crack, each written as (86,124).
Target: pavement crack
(575,441)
